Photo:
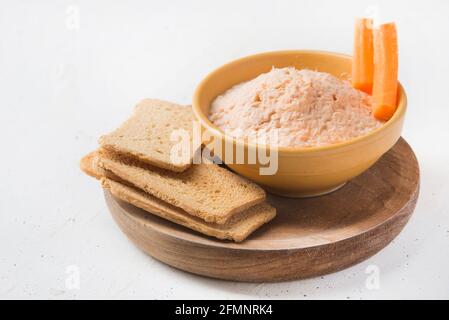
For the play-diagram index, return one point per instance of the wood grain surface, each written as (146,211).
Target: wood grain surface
(309,237)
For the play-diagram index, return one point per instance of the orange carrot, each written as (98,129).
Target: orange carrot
(362,60)
(385,84)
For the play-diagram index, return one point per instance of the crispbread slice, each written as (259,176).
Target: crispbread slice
(147,134)
(237,229)
(204,190)
(89,165)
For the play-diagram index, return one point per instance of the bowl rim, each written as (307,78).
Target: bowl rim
(205,122)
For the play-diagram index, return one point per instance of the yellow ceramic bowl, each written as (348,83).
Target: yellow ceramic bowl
(301,171)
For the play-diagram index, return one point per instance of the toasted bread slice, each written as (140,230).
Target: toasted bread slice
(207,191)
(147,134)
(89,165)
(237,229)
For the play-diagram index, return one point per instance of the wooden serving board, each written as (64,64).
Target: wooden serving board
(309,237)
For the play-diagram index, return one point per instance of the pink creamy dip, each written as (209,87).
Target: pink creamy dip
(303,108)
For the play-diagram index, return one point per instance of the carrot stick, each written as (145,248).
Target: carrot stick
(362,60)
(385,84)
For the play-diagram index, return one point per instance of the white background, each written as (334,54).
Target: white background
(72,70)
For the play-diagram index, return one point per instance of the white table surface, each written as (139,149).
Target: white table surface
(72,70)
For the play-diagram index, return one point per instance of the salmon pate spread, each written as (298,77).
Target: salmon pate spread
(300,108)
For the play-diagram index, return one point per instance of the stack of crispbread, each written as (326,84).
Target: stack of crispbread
(134,163)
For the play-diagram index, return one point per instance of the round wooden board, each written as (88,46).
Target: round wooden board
(309,237)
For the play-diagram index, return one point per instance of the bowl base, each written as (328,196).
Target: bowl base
(288,194)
